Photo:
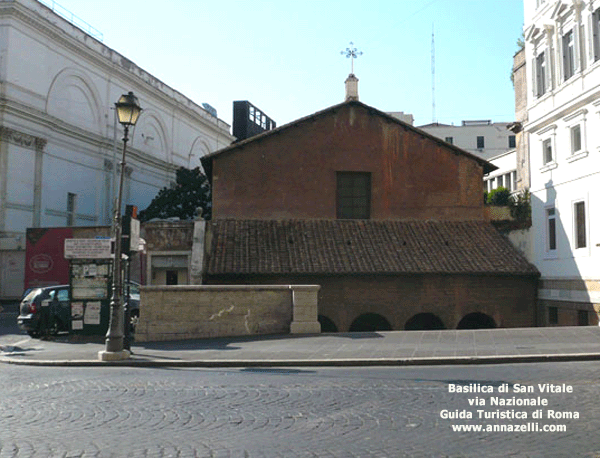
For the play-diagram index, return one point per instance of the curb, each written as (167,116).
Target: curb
(368,362)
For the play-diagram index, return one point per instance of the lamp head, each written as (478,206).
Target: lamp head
(128,109)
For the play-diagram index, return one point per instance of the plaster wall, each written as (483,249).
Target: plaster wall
(568,101)
(495,135)
(571,176)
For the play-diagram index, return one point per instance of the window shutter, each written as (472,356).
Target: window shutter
(594,28)
(582,60)
(534,77)
(563,51)
(547,70)
(577,54)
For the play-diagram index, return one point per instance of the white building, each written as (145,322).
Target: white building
(489,140)
(562,46)
(485,138)
(506,174)
(59,140)
(404,117)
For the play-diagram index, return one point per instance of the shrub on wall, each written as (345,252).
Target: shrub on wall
(499,197)
(520,208)
(519,205)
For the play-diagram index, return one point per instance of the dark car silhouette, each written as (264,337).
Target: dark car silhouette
(47,311)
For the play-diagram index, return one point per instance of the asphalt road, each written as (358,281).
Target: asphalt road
(9,331)
(270,412)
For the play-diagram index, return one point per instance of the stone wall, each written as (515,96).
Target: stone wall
(195,312)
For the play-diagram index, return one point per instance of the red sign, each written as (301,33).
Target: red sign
(45,263)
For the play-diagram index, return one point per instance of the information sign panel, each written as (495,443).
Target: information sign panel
(88,249)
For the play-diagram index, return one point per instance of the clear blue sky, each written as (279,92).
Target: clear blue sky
(284,56)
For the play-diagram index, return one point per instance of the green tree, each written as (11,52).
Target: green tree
(190,193)
(499,197)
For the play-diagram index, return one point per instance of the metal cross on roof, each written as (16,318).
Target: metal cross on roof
(352,53)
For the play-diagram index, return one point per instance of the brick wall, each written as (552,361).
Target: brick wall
(507,299)
(291,174)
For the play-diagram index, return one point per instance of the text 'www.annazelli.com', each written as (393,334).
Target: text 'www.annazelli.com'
(531,427)
(512,402)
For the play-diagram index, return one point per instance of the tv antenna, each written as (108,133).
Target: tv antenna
(433,117)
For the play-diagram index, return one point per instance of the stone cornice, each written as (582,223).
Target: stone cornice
(22,139)
(76,133)
(105,144)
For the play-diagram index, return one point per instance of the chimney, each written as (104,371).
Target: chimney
(351,87)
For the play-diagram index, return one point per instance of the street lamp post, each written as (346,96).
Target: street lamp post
(128,111)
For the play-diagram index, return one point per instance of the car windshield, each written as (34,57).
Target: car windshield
(31,294)
(134,288)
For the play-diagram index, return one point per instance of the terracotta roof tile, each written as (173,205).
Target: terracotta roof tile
(362,246)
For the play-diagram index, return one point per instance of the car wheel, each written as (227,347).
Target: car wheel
(54,327)
(33,334)
(135,317)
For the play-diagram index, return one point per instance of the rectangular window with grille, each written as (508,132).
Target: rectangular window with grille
(575,138)
(552,315)
(583,318)
(547,149)
(580,232)
(71,208)
(551,229)
(353,195)
(508,182)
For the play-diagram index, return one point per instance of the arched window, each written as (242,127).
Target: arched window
(370,322)
(424,322)
(327,325)
(476,321)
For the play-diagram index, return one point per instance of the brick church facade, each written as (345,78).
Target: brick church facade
(388,219)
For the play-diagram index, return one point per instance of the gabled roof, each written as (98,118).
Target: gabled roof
(207,160)
(350,247)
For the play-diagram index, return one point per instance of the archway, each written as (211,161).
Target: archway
(370,322)
(424,322)
(327,325)
(476,321)
(74,98)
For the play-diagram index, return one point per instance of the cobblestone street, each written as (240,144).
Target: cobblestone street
(270,412)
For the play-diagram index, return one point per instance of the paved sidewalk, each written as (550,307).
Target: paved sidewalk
(343,349)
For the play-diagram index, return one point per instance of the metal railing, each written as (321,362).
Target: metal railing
(73,19)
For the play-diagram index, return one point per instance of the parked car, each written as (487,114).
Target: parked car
(45,308)
(48,310)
